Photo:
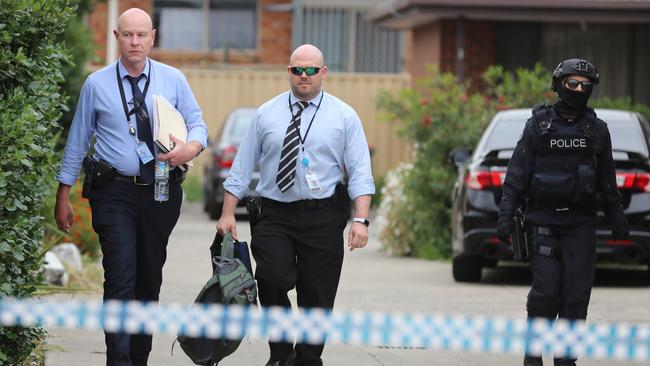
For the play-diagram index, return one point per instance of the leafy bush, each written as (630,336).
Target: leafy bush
(193,188)
(31,59)
(78,38)
(437,116)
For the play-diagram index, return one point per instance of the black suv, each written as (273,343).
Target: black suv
(222,154)
(477,192)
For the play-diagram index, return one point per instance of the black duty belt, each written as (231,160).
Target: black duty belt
(587,208)
(175,175)
(299,205)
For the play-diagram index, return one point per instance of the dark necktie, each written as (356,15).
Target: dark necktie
(289,157)
(144,130)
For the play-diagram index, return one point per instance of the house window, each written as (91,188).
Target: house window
(348,40)
(205,24)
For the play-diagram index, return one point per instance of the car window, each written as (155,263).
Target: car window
(628,137)
(624,128)
(238,125)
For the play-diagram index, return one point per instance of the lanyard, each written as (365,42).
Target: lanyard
(124,104)
(295,125)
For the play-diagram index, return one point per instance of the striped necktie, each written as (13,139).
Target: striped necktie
(288,159)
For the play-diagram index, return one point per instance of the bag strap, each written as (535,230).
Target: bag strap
(228,246)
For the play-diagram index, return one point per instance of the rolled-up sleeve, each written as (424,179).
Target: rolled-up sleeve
(189,108)
(356,157)
(81,132)
(248,153)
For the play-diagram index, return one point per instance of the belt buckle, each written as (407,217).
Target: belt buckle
(135,181)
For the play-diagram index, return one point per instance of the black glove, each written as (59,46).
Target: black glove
(505,226)
(621,229)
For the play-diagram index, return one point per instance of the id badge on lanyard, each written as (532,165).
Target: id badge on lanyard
(143,152)
(312,179)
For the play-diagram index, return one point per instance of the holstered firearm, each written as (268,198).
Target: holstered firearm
(520,251)
(253,208)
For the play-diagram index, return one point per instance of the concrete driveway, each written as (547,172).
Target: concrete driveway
(371,280)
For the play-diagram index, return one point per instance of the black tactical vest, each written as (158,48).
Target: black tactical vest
(565,162)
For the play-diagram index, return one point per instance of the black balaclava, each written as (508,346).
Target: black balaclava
(571,101)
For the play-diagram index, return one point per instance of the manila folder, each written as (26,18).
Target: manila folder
(167,120)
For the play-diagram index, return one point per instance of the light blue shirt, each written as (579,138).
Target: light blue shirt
(100,113)
(335,140)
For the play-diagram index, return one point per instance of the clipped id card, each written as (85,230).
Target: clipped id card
(143,152)
(312,181)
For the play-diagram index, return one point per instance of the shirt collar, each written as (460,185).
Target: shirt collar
(314,101)
(124,73)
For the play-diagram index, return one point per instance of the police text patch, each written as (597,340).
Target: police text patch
(567,142)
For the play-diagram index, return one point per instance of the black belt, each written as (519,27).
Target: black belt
(175,175)
(581,208)
(299,205)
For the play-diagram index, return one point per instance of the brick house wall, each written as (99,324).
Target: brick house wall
(435,43)
(274,34)
(98,21)
(273,38)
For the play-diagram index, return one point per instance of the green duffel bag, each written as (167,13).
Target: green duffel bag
(231,283)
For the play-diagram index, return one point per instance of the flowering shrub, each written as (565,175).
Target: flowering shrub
(437,116)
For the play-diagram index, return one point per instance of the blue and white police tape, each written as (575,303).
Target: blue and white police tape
(451,332)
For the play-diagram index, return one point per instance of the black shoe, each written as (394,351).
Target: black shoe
(288,361)
(533,361)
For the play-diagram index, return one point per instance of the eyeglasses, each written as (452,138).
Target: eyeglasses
(573,84)
(310,71)
(138,109)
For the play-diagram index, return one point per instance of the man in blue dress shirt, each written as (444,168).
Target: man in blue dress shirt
(114,107)
(303,140)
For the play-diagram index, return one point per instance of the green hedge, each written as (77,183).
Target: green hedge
(31,58)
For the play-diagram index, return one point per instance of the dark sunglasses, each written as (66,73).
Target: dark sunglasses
(139,109)
(573,84)
(310,71)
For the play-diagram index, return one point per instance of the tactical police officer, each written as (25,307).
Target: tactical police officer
(561,172)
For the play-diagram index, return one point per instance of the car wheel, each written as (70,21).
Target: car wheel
(467,268)
(215,213)
(214,210)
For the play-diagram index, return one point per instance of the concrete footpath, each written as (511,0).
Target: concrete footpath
(371,281)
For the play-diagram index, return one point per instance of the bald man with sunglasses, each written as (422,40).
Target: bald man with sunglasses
(560,174)
(303,140)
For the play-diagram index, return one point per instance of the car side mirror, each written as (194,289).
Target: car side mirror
(458,156)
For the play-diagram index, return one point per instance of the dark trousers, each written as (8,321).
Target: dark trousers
(562,281)
(301,247)
(133,231)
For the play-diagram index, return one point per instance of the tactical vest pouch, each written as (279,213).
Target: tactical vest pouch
(586,182)
(553,187)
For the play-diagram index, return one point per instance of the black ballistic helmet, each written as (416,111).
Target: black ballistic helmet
(574,66)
